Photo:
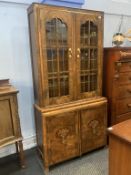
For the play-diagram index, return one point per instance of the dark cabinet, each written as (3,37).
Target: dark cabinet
(117,83)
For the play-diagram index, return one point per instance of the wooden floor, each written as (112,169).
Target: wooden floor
(94,163)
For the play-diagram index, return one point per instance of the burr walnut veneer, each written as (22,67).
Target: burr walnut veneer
(66,48)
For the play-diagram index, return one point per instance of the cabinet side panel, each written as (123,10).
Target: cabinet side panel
(15,113)
(39,131)
(100,47)
(108,72)
(108,78)
(34,54)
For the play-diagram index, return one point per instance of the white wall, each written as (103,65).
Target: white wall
(15,53)
(111,23)
(110,6)
(15,63)
(113,9)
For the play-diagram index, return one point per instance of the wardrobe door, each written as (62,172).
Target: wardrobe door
(88,54)
(57,60)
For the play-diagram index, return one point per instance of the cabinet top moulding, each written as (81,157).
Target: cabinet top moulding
(40,5)
(72,106)
(10,90)
(6,87)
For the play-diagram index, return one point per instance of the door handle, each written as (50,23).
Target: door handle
(78,50)
(70,52)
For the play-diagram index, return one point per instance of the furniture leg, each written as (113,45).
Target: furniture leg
(17,147)
(21,154)
(46,170)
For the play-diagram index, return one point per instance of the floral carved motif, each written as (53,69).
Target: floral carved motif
(94,125)
(62,134)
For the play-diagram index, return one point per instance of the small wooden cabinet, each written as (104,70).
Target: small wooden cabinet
(10,132)
(66,48)
(117,83)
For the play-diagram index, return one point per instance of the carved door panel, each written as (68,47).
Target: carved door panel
(62,137)
(93,128)
(88,54)
(57,56)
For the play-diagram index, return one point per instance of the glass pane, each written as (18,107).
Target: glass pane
(93,59)
(88,56)
(56,32)
(52,60)
(53,87)
(63,59)
(93,82)
(85,83)
(84,35)
(57,57)
(50,32)
(93,34)
(64,84)
(84,59)
(61,30)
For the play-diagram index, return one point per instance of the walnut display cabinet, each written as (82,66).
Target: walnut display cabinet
(117,83)
(66,48)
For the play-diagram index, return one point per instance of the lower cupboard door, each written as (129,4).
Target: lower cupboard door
(93,128)
(62,137)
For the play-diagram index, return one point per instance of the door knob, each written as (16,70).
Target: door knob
(78,56)
(70,50)
(70,56)
(78,50)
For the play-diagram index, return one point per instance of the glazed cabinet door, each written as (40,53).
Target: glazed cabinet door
(88,54)
(57,56)
(93,127)
(62,137)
